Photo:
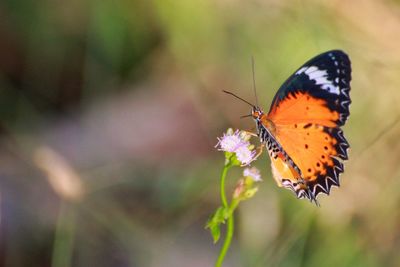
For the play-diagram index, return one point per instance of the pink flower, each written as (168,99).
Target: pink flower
(237,142)
(230,141)
(253,173)
(245,155)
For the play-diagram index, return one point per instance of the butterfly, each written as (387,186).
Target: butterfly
(302,130)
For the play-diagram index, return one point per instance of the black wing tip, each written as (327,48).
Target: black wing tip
(336,51)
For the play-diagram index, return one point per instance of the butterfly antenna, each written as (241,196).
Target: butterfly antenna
(246,116)
(230,93)
(254,80)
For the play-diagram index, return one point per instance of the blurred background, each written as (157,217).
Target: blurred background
(109,114)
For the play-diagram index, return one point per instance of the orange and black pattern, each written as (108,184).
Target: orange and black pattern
(302,129)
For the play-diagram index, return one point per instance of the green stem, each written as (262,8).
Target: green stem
(223,176)
(230,223)
(227,242)
(64,235)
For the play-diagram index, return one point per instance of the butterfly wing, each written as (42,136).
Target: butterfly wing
(287,174)
(326,76)
(307,112)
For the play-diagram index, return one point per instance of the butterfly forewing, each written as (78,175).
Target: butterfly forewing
(327,77)
(307,112)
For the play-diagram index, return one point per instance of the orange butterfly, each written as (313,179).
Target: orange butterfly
(302,128)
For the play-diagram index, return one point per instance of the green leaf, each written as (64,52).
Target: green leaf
(215,221)
(215,232)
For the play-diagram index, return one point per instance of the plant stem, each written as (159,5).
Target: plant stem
(64,235)
(230,223)
(222,192)
(227,242)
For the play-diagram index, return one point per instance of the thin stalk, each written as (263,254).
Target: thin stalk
(222,186)
(230,223)
(227,242)
(64,235)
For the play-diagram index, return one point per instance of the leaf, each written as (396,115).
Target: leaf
(215,232)
(215,221)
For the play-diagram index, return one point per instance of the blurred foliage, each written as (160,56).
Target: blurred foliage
(125,97)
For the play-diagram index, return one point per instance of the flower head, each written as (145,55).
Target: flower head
(245,155)
(237,142)
(230,141)
(253,173)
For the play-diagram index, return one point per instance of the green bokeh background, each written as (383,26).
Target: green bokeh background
(109,113)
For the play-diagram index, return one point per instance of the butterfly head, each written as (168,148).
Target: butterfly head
(262,120)
(256,113)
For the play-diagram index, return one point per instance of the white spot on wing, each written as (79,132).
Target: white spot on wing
(330,88)
(311,69)
(316,74)
(321,78)
(300,71)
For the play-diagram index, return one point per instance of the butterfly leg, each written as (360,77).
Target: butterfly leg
(250,133)
(260,151)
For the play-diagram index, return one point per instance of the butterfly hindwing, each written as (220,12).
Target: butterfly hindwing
(316,150)
(285,172)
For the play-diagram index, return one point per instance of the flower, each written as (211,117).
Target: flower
(245,155)
(237,142)
(253,173)
(230,141)
(240,187)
